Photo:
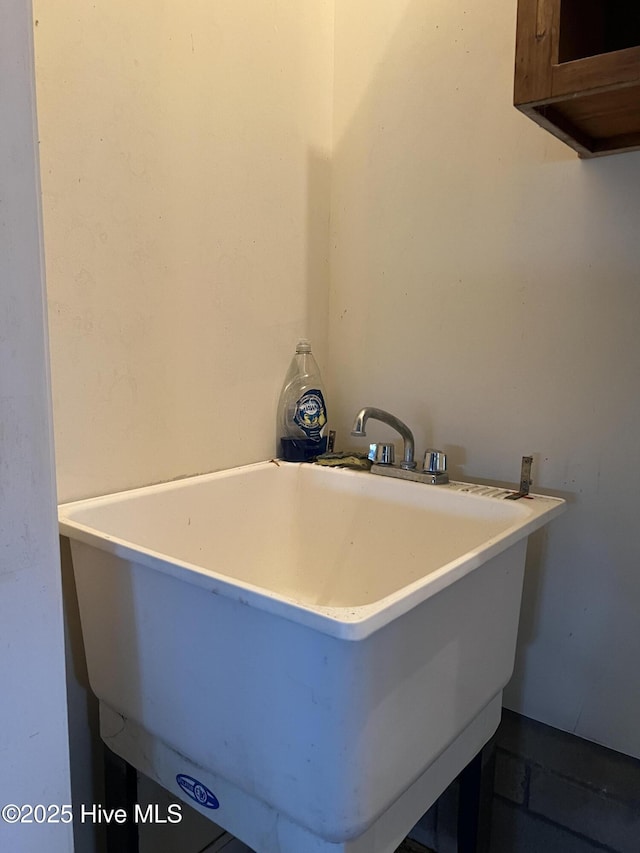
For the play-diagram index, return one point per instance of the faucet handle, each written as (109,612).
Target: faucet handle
(382,454)
(435,462)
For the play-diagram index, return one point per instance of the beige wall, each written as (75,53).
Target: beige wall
(485,287)
(34,758)
(185,168)
(185,157)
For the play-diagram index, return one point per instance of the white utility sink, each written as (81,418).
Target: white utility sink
(307,655)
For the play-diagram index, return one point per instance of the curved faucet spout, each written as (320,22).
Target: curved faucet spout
(391,420)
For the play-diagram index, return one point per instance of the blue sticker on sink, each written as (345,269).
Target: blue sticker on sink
(197,791)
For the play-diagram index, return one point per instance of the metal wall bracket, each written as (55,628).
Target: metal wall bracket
(525,479)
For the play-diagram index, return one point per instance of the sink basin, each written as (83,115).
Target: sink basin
(321,651)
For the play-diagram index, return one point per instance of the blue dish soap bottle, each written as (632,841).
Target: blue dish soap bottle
(302,411)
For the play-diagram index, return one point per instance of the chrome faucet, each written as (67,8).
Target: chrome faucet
(434,468)
(358,430)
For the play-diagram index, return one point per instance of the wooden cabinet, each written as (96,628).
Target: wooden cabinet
(578,71)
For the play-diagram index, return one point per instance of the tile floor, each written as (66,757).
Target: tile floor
(228,844)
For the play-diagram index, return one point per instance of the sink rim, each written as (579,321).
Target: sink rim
(353,622)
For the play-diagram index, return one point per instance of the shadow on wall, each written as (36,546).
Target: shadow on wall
(317,273)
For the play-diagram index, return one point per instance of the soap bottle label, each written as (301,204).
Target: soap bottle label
(311,414)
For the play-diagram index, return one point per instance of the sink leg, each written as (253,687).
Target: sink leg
(474,803)
(121,792)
